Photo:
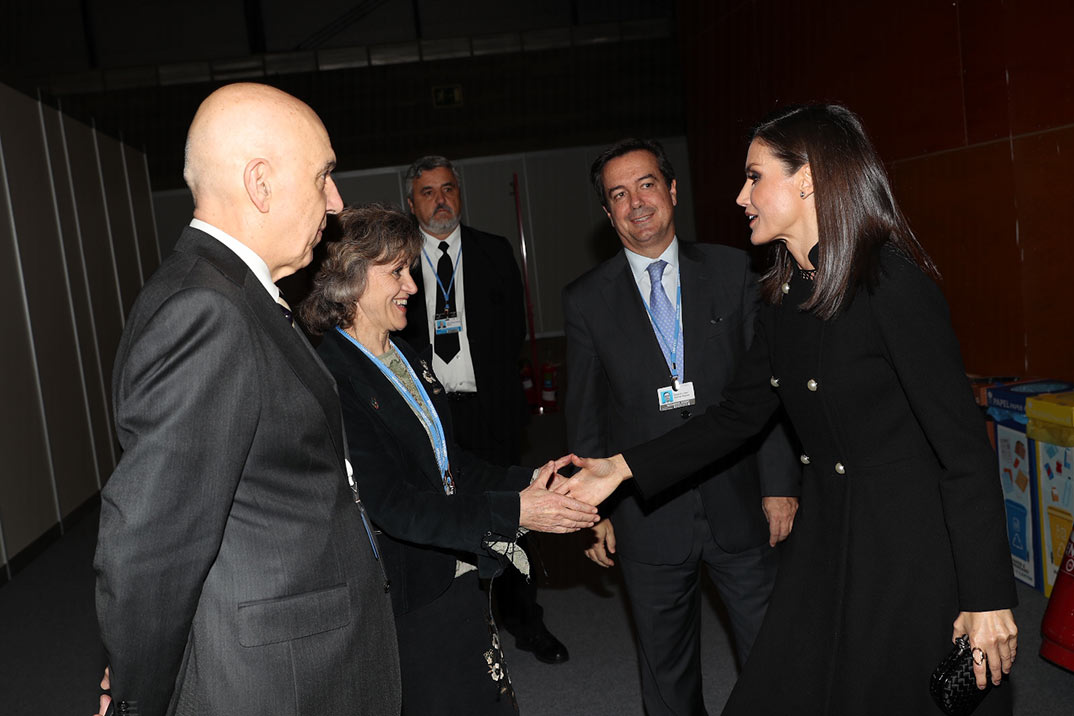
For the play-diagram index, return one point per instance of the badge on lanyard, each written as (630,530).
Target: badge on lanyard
(671,398)
(447,322)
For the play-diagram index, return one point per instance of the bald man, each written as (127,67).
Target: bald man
(235,572)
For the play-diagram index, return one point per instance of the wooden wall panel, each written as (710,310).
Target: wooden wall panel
(954,95)
(969,230)
(1044,177)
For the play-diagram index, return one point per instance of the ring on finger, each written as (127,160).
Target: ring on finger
(979,657)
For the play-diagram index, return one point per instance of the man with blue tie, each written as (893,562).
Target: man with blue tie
(653,336)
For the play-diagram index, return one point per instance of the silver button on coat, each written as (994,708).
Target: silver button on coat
(840,469)
(812,385)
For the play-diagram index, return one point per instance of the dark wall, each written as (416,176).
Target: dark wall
(969,103)
(384,115)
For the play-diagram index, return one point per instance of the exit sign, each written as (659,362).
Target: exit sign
(447,96)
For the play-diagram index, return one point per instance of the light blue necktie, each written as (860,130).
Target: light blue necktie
(664,318)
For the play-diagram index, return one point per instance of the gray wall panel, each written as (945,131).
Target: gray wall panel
(96,242)
(96,389)
(488,204)
(120,219)
(145,228)
(567,232)
(27,498)
(379,185)
(48,299)
(570,232)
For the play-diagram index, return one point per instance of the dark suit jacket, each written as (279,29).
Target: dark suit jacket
(400,484)
(233,572)
(495,327)
(615,367)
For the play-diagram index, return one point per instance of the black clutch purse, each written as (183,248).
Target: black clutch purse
(953,685)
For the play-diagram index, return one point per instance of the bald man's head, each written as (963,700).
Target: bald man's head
(258,163)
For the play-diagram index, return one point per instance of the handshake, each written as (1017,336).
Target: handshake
(554,503)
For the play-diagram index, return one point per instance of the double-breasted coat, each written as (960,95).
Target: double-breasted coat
(901,523)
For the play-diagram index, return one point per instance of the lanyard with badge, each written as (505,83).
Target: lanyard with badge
(428,416)
(446,321)
(678,394)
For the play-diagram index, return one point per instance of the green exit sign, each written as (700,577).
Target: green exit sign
(447,96)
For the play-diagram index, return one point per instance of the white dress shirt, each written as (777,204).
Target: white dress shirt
(458,375)
(639,266)
(244,252)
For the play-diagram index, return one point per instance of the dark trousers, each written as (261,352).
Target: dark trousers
(515,596)
(665,600)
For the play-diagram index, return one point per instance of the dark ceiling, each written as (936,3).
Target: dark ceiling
(70,46)
(518,75)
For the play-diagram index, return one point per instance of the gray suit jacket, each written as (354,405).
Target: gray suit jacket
(234,575)
(614,368)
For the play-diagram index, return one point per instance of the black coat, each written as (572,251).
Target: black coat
(901,524)
(615,367)
(425,530)
(495,329)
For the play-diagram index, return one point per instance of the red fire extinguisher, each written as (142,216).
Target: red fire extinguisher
(549,386)
(1057,646)
(529,387)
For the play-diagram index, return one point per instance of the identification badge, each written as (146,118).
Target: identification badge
(445,323)
(670,399)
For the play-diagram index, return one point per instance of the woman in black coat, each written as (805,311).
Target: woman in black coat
(899,544)
(447,517)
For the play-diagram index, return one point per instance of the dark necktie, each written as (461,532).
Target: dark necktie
(285,309)
(446,345)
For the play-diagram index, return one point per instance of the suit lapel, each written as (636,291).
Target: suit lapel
(390,407)
(474,265)
(624,303)
(695,280)
(296,350)
(299,354)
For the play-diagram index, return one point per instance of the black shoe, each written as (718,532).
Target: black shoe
(545,647)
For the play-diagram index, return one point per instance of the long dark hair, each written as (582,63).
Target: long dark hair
(857,215)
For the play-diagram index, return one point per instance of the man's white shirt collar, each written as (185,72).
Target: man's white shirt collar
(639,264)
(244,252)
(432,244)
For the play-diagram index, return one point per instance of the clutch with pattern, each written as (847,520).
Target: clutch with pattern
(953,685)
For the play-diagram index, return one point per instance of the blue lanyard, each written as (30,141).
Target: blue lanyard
(673,349)
(428,417)
(454,270)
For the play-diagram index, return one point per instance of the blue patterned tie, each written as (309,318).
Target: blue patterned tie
(664,315)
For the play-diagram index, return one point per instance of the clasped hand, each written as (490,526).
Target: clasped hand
(544,508)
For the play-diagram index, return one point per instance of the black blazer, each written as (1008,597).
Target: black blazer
(615,367)
(425,530)
(495,327)
(232,566)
